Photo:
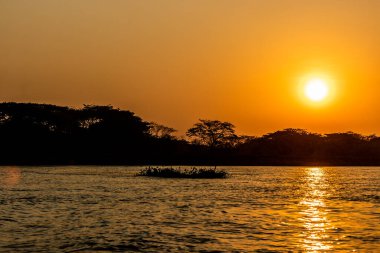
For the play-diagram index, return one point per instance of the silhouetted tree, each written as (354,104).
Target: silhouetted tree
(39,133)
(213,133)
(49,134)
(161,131)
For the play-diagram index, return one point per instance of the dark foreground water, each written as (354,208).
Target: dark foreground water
(258,209)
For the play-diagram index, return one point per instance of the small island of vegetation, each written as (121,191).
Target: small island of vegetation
(196,173)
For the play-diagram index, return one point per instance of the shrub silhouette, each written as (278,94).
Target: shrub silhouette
(186,173)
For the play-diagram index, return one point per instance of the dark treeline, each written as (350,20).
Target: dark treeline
(40,134)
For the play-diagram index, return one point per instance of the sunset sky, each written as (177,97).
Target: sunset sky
(175,61)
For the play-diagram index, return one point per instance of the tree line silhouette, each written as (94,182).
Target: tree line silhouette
(42,134)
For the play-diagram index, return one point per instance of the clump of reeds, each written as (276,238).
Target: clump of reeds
(183,173)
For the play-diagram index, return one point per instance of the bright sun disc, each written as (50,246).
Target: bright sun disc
(316,89)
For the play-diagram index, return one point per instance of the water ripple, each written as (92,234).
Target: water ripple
(270,209)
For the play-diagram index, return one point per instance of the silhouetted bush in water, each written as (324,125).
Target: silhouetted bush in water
(186,173)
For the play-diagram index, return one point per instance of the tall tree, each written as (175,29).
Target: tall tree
(161,131)
(213,133)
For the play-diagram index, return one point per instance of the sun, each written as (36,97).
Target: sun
(316,89)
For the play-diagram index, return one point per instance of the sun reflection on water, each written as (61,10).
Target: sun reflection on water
(314,213)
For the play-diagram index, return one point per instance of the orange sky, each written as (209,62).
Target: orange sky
(175,61)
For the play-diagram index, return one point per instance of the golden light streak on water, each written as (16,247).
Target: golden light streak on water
(313,214)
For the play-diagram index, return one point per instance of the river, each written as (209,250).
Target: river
(257,209)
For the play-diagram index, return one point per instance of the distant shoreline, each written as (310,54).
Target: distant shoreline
(42,135)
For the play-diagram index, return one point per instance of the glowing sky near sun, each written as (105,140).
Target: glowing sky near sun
(242,61)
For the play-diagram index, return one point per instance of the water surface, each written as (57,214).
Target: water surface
(258,209)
